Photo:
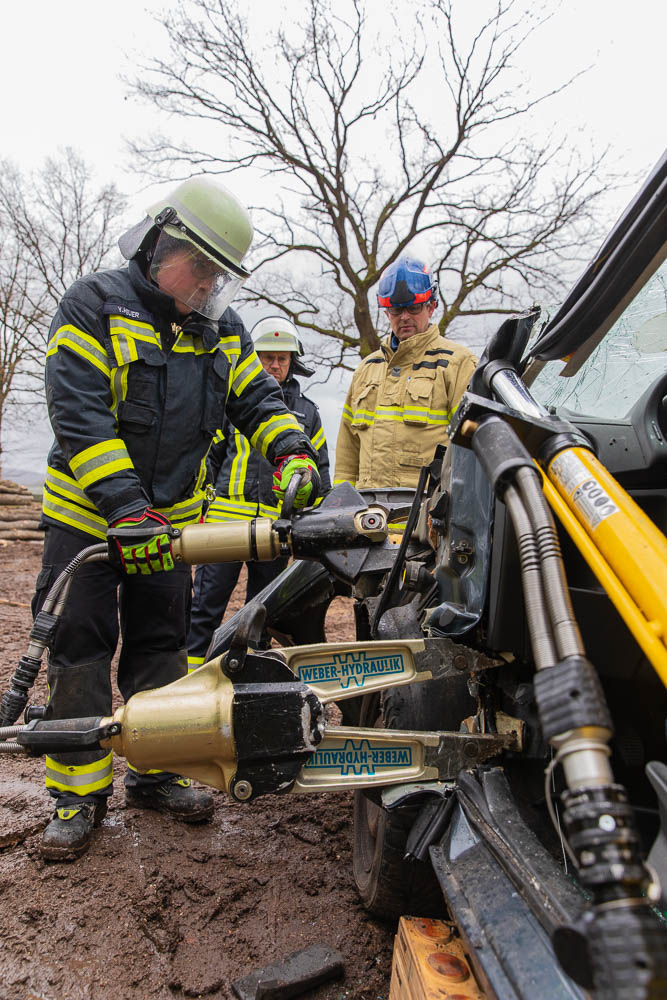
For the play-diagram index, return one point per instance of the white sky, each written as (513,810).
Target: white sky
(59,80)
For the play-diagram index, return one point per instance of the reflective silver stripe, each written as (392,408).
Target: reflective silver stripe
(271,428)
(245,373)
(100,460)
(136,330)
(67,487)
(73,776)
(82,344)
(60,510)
(185,511)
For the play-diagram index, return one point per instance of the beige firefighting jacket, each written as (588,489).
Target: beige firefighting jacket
(398,409)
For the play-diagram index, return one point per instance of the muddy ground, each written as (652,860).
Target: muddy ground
(159,909)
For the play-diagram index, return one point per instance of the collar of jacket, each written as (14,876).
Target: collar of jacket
(410,349)
(290,388)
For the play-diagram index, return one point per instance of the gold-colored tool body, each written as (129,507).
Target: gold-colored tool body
(185,727)
(227,541)
(628,542)
(189,726)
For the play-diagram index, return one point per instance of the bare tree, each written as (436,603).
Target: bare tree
(55,225)
(375,142)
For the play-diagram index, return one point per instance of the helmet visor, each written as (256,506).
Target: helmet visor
(195,281)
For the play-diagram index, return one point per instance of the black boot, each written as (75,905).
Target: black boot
(69,833)
(177,797)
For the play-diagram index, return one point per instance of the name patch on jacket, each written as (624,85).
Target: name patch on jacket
(118,309)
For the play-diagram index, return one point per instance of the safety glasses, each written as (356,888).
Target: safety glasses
(412,310)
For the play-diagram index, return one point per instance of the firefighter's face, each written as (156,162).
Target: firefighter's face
(276,363)
(188,277)
(405,324)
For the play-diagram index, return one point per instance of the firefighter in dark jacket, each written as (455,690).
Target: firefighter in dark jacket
(243,483)
(143,363)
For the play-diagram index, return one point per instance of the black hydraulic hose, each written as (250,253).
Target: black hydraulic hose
(16,696)
(565,629)
(539,625)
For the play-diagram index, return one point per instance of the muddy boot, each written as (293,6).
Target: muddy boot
(177,797)
(69,833)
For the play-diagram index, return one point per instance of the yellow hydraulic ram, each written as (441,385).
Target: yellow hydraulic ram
(622,546)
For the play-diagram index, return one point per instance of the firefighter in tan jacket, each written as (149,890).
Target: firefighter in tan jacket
(402,397)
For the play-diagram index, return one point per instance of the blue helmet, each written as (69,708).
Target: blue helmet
(406,282)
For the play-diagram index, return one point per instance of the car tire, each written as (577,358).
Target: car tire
(388,885)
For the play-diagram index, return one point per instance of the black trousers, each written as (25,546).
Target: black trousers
(213,586)
(150,613)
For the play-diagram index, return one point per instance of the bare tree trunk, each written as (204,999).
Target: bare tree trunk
(368,337)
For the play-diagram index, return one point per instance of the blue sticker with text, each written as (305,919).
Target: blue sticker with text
(348,668)
(360,758)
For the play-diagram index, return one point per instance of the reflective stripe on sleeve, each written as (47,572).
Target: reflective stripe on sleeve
(245,373)
(271,428)
(80,343)
(79,779)
(100,460)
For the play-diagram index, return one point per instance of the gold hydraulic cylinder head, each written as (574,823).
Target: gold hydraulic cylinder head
(184,727)
(227,541)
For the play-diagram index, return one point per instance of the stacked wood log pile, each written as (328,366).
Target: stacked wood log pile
(19,514)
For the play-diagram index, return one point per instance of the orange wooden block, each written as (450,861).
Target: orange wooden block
(429,963)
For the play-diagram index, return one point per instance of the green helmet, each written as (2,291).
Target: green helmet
(205,215)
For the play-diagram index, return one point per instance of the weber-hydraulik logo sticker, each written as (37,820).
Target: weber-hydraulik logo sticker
(360,757)
(351,668)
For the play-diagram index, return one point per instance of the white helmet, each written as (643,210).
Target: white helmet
(274,333)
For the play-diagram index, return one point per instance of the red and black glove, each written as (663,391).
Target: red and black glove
(143,542)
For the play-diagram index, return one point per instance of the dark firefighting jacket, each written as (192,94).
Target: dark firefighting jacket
(135,401)
(243,479)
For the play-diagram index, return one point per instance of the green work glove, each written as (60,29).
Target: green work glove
(290,465)
(142,543)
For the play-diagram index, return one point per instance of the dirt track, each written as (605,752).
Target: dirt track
(159,909)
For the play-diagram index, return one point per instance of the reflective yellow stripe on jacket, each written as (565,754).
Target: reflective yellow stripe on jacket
(64,500)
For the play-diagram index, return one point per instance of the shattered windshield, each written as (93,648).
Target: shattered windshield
(627,361)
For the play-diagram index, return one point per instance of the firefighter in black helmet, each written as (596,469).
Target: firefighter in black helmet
(143,363)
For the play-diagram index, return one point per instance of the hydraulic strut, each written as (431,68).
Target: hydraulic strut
(598,821)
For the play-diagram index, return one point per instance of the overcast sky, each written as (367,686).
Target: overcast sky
(60,83)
